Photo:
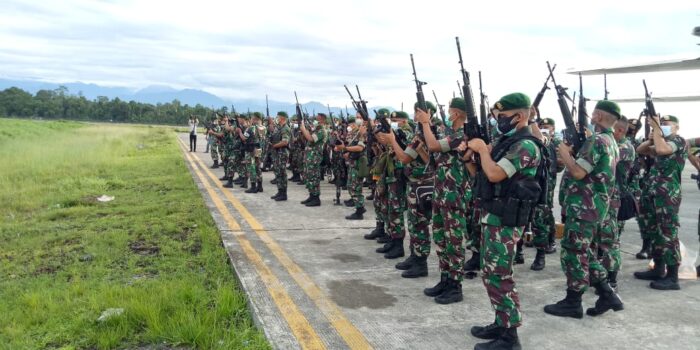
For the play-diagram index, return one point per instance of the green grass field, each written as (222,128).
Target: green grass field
(154,251)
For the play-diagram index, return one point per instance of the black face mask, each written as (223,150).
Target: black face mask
(505,124)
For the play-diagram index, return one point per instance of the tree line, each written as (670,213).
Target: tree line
(60,104)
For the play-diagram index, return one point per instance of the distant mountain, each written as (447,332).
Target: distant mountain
(155,94)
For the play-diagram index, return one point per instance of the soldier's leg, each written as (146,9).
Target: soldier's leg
(665,243)
(315,177)
(439,238)
(647,225)
(576,255)
(608,242)
(418,225)
(214,152)
(356,186)
(352,181)
(281,170)
(455,228)
(396,205)
(540,229)
(498,253)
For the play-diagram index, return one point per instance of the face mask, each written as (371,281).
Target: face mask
(315,123)
(666,130)
(544,132)
(296,126)
(505,126)
(448,123)
(493,121)
(395,125)
(349,128)
(358,122)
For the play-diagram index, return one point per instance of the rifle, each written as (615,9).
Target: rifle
(359,106)
(459,88)
(571,135)
(471,128)
(582,111)
(443,116)
(267,107)
(540,95)
(649,112)
(605,85)
(300,113)
(419,94)
(483,116)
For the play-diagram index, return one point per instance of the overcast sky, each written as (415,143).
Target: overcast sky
(247,49)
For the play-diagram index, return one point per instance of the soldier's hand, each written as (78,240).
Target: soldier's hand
(462,147)
(363,130)
(382,138)
(477,145)
(422,116)
(655,124)
(563,148)
(390,136)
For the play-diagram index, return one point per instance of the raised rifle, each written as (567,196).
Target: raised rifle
(540,95)
(471,127)
(605,86)
(267,106)
(582,111)
(359,106)
(571,135)
(419,94)
(649,112)
(300,112)
(459,88)
(441,108)
(483,115)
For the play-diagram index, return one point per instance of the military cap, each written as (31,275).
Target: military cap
(608,106)
(512,101)
(399,115)
(282,114)
(458,103)
(257,115)
(322,115)
(547,122)
(245,116)
(429,105)
(669,118)
(437,121)
(383,112)
(635,122)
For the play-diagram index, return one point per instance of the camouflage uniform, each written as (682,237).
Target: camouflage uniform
(312,163)
(394,185)
(281,155)
(354,180)
(213,140)
(586,202)
(251,161)
(297,152)
(499,241)
(419,174)
(452,192)
(231,145)
(664,194)
(543,223)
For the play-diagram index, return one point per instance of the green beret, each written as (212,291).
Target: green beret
(295,118)
(282,114)
(547,122)
(669,118)
(351,119)
(383,112)
(399,115)
(429,105)
(608,106)
(437,121)
(512,101)
(322,115)
(458,103)
(244,116)
(257,115)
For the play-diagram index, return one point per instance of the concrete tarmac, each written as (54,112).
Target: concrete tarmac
(314,282)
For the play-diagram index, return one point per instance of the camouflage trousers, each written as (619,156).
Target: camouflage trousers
(645,217)
(279,158)
(663,230)
(312,175)
(449,226)
(379,204)
(497,255)
(418,223)
(232,164)
(340,170)
(214,151)
(473,233)
(354,185)
(394,209)
(253,167)
(606,243)
(297,160)
(542,225)
(577,260)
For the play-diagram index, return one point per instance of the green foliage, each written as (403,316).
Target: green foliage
(154,251)
(60,104)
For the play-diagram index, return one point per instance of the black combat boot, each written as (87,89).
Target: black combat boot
(551,248)
(307,200)
(357,215)
(491,331)
(273,181)
(655,274)
(229,184)
(276,194)
(224,178)
(670,282)
(282,196)
(612,280)
(419,268)
(568,307)
(378,231)
(519,257)
(607,300)
(260,189)
(386,247)
(370,197)
(349,202)
(253,188)
(507,340)
(239,180)
(396,250)
(438,288)
(384,238)
(314,202)
(451,294)
(244,183)
(216,164)
(645,252)
(406,264)
(474,263)
(295,177)
(333,181)
(538,264)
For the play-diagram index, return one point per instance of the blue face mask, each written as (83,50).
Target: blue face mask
(666,130)
(394,125)
(448,123)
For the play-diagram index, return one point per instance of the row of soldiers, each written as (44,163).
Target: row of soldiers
(484,198)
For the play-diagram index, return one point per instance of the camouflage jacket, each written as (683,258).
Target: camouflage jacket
(452,183)
(588,199)
(314,148)
(623,172)
(665,174)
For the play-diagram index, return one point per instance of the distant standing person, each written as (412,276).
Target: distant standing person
(193,133)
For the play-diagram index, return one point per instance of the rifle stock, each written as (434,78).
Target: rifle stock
(571,135)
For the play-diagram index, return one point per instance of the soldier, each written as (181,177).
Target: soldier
(543,229)
(252,139)
(243,159)
(416,160)
(512,166)
(297,151)
(315,141)
(694,158)
(663,191)
(213,140)
(357,165)
(636,181)
(379,199)
(393,184)
(587,198)
(451,194)
(280,147)
(231,143)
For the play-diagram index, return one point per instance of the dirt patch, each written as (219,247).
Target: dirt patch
(46,270)
(321,241)
(195,247)
(141,247)
(346,258)
(354,294)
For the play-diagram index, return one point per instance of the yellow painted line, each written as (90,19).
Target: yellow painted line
(346,329)
(300,326)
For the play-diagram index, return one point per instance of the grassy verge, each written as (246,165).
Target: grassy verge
(154,251)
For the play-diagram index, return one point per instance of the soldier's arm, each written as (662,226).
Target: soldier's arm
(305,132)
(495,172)
(695,160)
(645,148)
(661,147)
(578,168)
